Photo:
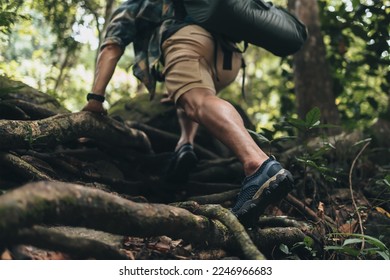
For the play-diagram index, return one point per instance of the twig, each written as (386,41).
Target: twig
(351,190)
(305,210)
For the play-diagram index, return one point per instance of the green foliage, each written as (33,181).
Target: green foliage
(312,120)
(55,51)
(387,180)
(352,246)
(46,53)
(307,245)
(357,38)
(9,15)
(314,160)
(62,16)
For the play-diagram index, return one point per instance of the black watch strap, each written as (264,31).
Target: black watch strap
(95,96)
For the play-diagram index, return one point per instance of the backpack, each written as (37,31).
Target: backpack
(253,21)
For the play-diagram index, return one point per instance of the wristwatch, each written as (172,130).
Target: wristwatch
(96,97)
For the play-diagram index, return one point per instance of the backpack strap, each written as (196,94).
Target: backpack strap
(227,51)
(243,66)
(180,10)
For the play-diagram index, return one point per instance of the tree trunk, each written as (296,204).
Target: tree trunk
(313,81)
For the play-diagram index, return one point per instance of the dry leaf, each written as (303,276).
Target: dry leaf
(348,227)
(382,211)
(321,210)
(6,255)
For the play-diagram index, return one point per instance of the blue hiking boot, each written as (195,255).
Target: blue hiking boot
(269,184)
(181,164)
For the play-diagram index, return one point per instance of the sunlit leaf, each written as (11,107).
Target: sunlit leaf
(387,180)
(364,141)
(259,138)
(284,249)
(313,117)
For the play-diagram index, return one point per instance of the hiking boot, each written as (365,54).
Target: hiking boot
(269,184)
(180,165)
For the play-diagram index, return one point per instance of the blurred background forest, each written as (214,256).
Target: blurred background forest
(335,90)
(52,45)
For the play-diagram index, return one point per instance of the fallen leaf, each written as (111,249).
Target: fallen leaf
(382,211)
(349,227)
(321,210)
(6,255)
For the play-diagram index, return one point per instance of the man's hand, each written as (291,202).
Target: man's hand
(95,106)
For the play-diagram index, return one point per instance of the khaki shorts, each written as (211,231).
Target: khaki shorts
(189,62)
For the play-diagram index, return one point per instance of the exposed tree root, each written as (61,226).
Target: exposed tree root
(54,203)
(33,111)
(67,127)
(247,246)
(78,247)
(158,135)
(74,205)
(22,168)
(215,198)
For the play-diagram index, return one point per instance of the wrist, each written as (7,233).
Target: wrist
(96,97)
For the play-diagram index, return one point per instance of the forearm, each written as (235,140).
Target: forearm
(105,67)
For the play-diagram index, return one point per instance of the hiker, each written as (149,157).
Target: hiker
(193,63)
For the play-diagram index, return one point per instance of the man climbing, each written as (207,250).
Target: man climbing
(193,66)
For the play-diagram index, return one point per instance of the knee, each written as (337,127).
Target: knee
(193,101)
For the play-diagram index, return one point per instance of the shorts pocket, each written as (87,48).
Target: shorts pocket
(182,72)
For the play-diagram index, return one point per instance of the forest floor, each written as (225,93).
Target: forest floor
(339,208)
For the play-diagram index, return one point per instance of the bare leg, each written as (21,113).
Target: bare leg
(223,121)
(188,129)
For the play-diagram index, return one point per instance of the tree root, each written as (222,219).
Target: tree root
(78,247)
(210,188)
(33,111)
(22,168)
(161,136)
(216,198)
(249,249)
(74,205)
(57,203)
(67,127)
(279,222)
(270,239)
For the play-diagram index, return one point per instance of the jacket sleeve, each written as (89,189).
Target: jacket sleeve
(121,28)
